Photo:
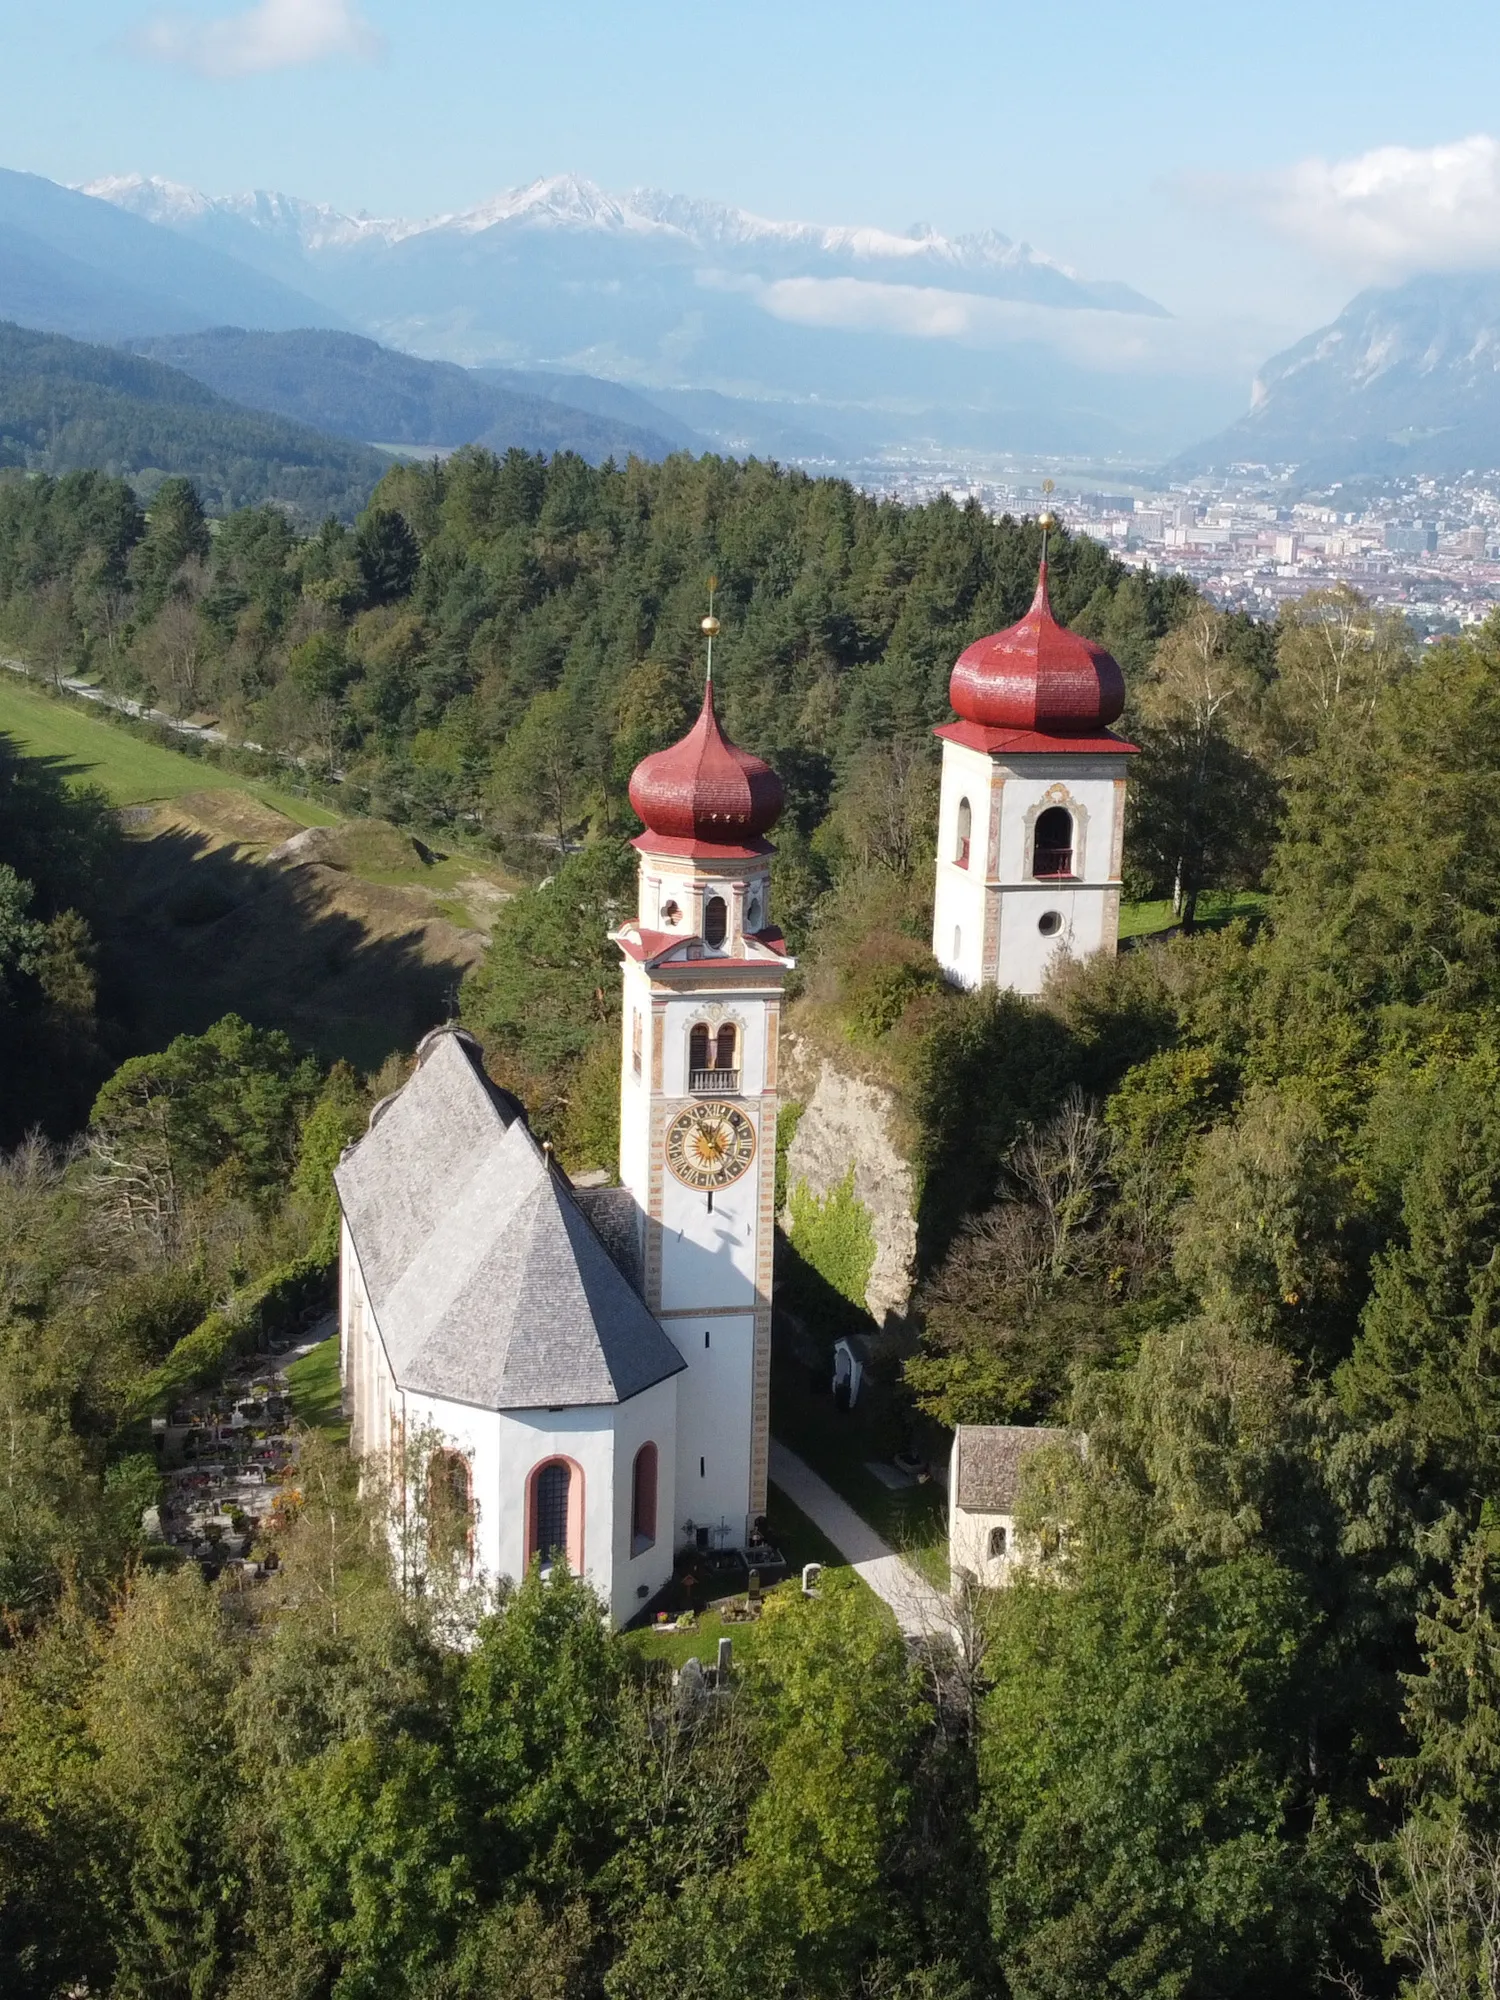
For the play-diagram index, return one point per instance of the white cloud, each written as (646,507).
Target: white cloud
(272,34)
(1385,213)
(1112,342)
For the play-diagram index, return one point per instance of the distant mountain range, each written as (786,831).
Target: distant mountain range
(848,339)
(71,264)
(1406,379)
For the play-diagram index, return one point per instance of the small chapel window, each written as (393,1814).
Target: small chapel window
(997,1543)
(643,1500)
(1052,843)
(965,832)
(715,920)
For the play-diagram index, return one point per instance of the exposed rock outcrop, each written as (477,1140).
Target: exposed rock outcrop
(848,1121)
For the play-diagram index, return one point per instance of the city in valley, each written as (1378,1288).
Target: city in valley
(1253,539)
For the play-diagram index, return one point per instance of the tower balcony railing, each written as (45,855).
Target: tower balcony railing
(1053,861)
(714,1082)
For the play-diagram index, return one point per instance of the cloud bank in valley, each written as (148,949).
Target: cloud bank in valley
(1111,342)
(271,35)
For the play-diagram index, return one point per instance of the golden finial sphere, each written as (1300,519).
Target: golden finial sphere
(1046,521)
(710,625)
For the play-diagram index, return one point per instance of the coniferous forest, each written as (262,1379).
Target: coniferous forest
(1226,1207)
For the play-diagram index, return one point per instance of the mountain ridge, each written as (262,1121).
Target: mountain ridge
(1405,380)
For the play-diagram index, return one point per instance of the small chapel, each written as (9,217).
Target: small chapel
(588,1369)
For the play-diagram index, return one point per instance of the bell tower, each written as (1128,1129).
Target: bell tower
(1031,816)
(704,969)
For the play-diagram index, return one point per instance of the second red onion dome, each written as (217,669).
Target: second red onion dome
(1037,675)
(705,789)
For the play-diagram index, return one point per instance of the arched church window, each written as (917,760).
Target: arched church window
(726,1047)
(449,1506)
(715,920)
(554,1514)
(698,1047)
(997,1542)
(1052,842)
(965,832)
(643,1500)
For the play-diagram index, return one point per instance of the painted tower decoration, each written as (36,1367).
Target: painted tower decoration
(1032,812)
(704,970)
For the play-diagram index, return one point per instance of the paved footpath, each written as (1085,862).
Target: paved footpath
(921,1611)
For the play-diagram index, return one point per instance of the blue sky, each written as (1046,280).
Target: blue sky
(1226,159)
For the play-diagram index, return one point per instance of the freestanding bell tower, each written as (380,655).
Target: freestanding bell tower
(703,974)
(1031,817)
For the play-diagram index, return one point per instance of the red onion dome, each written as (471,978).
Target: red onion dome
(1038,675)
(706,789)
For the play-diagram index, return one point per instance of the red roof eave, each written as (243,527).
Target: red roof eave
(684,848)
(995,741)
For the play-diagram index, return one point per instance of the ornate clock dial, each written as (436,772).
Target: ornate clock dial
(710,1145)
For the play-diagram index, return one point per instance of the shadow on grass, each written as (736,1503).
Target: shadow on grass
(202,930)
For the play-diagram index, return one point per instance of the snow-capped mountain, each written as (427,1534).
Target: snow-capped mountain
(988,261)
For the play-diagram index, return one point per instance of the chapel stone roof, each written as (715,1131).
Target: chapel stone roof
(988,1463)
(487,1282)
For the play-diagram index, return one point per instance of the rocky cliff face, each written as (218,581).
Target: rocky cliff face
(1405,380)
(847,1121)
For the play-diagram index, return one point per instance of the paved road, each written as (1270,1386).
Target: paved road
(921,1611)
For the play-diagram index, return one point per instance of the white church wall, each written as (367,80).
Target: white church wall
(503,1448)
(650,1418)
(969,1545)
(715,1424)
(958,920)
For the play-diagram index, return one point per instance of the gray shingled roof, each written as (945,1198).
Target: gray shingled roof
(487,1283)
(990,1458)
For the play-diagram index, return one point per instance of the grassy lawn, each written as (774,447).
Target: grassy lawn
(317,1398)
(130,770)
(837,1445)
(1216,908)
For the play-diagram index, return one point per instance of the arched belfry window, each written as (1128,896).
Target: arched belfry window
(643,1500)
(554,1514)
(713,1058)
(1052,842)
(715,920)
(965,833)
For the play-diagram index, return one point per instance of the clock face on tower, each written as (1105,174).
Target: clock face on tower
(710,1145)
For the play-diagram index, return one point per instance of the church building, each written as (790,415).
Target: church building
(585,1372)
(1031,818)
(594,1364)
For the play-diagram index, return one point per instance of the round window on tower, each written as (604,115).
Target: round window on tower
(1049,923)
